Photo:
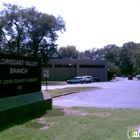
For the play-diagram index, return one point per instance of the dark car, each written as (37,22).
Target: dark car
(130,77)
(96,79)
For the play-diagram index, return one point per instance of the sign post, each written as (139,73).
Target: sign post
(46,75)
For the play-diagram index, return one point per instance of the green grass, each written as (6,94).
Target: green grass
(57,92)
(53,82)
(97,124)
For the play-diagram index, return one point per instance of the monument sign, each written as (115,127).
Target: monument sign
(19,75)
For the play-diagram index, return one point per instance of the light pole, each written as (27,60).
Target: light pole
(70,69)
(108,75)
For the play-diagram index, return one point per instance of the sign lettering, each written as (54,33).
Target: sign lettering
(19,75)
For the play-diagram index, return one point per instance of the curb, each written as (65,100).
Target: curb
(67,93)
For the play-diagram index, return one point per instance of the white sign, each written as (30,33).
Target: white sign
(45,73)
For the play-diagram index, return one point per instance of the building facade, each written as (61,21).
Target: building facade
(63,69)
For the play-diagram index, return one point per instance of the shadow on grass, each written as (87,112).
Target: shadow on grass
(21,121)
(28,121)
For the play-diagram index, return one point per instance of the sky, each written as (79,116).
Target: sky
(92,23)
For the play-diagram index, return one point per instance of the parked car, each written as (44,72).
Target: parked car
(130,77)
(76,80)
(96,79)
(90,79)
(138,76)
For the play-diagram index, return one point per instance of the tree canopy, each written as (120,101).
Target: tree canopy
(27,32)
(135,59)
(124,59)
(68,52)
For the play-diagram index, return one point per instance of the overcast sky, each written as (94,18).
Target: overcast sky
(92,23)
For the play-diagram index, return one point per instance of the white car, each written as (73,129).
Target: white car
(138,76)
(90,79)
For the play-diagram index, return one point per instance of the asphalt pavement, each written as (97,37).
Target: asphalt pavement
(123,93)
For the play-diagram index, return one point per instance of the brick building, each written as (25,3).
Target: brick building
(63,69)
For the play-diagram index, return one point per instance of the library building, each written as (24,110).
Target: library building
(64,69)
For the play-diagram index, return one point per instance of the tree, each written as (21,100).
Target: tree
(121,56)
(125,57)
(114,69)
(135,59)
(68,52)
(25,31)
(91,54)
(111,53)
(87,54)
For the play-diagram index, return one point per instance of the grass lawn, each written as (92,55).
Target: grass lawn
(75,123)
(57,92)
(53,82)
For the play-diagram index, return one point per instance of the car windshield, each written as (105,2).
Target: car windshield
(88,77)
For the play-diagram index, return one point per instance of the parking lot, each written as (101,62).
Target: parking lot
(123,93)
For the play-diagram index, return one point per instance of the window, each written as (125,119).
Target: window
(92,66)
(49,65)
(65,66)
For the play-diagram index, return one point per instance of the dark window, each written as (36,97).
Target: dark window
(92,66)
(49,65)
(59,66)
(65,66)
(73,66)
